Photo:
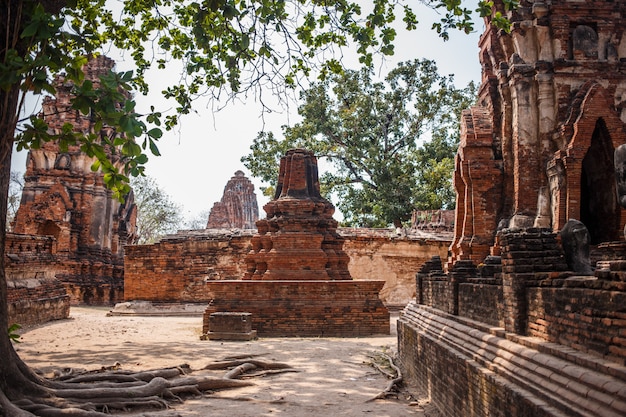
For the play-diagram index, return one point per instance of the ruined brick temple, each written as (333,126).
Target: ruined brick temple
(504,326)
(68,229)
(238,207)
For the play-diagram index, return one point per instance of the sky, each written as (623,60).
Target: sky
(203,153)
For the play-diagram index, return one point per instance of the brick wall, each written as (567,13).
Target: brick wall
(172,269)
(482,300)
(585,314)
(36,300)
(532,293)
(437,364)
(392,258)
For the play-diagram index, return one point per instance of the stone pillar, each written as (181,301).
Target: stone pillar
(478,181)
(525,143)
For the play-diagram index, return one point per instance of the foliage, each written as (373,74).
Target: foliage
(198,221)
(370,132)
(225,47)
(13,335)
(157,214)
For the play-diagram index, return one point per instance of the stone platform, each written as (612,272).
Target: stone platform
(342,308)
(471,369)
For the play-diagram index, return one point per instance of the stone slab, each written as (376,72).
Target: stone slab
(251,335)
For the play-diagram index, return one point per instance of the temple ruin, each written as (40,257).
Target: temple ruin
(238,207)
(69,232)
(504,325)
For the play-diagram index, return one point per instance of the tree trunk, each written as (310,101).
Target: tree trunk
(15,376)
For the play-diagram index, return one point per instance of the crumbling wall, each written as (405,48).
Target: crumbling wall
(392,257)
(34,294)
(171,269)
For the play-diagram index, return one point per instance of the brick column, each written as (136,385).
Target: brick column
(528,256)
(459,273)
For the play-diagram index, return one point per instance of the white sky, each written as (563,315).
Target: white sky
(205,151)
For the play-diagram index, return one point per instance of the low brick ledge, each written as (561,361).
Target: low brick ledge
(341,308)
(562,382)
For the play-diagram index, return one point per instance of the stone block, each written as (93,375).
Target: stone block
(230,326)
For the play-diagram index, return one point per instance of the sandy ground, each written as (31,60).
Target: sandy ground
(334,375)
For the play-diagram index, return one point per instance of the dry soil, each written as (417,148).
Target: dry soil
(334,375)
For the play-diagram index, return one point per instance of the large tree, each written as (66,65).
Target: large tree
(157,214)
(224,47)
(371,133)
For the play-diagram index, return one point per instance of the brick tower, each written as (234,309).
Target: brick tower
(299,232)
(297,281)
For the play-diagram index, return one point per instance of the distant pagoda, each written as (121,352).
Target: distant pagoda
(238,207)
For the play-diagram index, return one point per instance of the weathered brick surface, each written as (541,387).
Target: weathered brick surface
(482,300)
(391,258)
(580,313)
(176,267)
(299,232)
(582,319)
(167,269)
(302,308)
(470,369)
(230,322)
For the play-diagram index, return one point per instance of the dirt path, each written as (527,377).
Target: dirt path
(333,378)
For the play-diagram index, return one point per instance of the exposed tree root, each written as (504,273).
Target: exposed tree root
(393,384)
(97,393)
(258,364)
(268,372)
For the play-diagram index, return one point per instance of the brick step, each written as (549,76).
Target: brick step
(466,351)
(573,388)
(568,354)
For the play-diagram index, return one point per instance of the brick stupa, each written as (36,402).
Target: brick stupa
(298,239)
(297,281)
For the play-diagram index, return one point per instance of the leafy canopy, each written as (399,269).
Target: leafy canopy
(371,133)
(224,47)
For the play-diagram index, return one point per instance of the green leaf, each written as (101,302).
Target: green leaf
(155,133)
(154,149)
